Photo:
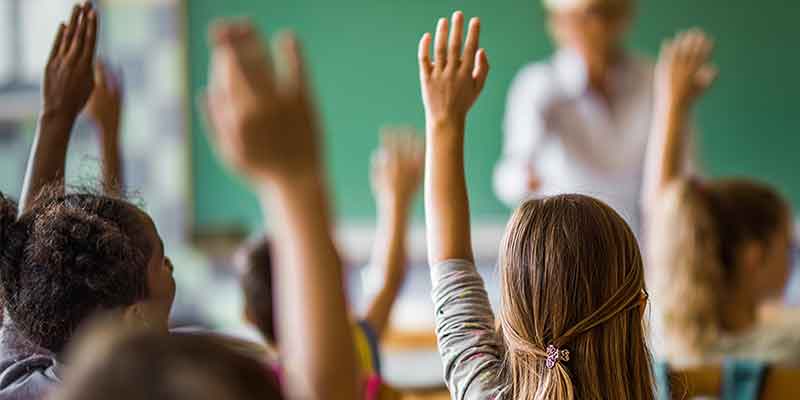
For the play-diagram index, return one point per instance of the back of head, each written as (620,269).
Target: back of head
(254,261)
(695,238)
(572,278)
(143,365)
(69,257)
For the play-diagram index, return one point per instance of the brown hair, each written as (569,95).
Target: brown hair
(695,236)
(572,278)
(136,364)
(254,261)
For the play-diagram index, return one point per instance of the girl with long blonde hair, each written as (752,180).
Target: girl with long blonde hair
(717,249)
(572,280)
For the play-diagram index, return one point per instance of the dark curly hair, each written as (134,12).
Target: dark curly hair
(69,257)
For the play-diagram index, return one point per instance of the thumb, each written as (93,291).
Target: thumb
(706,76)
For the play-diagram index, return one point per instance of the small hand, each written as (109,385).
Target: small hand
(684,71)
(68,80)
(453,82)
(397,169)
(265,126)
(105,105)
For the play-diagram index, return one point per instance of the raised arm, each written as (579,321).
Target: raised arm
(267,130)
(682,75)
(396,176)
(450,86)
(105,109)
(67,86)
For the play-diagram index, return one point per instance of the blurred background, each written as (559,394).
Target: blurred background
(362,55)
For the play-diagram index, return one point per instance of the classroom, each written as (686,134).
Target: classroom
(421,200)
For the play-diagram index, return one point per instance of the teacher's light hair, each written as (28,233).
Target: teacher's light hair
(619,6)
(572,292)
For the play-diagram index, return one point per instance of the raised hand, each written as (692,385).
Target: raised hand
(453,81)
(105,105)
(265,124)
(68,80)
(397,169)
(68,83)
(684,71)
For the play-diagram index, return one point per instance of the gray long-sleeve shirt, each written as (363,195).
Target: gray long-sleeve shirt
(468,344)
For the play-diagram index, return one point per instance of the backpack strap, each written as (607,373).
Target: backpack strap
(742,379)
(661,371)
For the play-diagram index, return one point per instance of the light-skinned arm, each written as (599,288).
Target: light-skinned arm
(683,74)
(396,177)
(266,129)
(451,83)
(67,86)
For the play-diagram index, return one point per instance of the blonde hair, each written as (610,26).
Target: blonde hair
(616,6)
(572,278)
(695,235)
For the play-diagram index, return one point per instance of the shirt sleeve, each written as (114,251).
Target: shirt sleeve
(524,129)
(468,345)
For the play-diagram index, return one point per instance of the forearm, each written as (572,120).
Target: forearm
(315,334)
(111,160)
(389,255)
(665,154)
(48,157)
(446,202)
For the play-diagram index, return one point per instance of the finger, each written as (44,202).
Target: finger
(472,43)
(706,76)
(456,37)
(70,31)
(76,47)
(423,55)
(250,60)
(296,76)
(481,71)
(57,43)
(90,40)
(440,45)
(99,75)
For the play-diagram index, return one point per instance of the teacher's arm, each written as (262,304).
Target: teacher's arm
(515,177)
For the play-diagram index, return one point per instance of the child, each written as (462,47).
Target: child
(396,175)
(572,284)
(265,128)
(140,364)
(718,249)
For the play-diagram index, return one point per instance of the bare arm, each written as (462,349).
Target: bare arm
(266,129)
(450,86)
(67,86)
(682,75)
(396,175)
(105,109)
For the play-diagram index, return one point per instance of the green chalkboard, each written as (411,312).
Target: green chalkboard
(363,61)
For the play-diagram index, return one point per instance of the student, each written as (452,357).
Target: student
(266,128)
(572,280)
(396,175)
(140,364)
(718,249)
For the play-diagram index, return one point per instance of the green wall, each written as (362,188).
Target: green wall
(363,60)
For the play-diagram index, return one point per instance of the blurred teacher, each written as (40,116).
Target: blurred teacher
(579,122)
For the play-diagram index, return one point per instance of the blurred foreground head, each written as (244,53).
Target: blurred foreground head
(137,364)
